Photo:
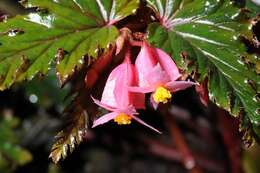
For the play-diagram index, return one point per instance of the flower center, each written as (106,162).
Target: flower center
(123,119)
(162,95)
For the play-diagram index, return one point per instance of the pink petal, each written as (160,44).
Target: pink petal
(141,89)
(145,124)
(104,119)
(168,64)
(103,105)
(116,93)
(136,99)
(154,104)
(127,78)
(108,96)
(129,110)
(144,63)
(124,79)
(179,85)
(157,76)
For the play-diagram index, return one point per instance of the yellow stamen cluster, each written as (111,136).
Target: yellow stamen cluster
(123,119)
(162,95)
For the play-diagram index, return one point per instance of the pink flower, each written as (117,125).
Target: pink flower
(117,99)
(157,73)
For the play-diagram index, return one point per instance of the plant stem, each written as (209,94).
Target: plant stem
(136,43)
(178,139)
(170,153)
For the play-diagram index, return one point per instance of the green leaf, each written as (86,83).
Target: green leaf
(73,31)
(54,169)
(253,7)
(9,147)
(209,32)
(17,154)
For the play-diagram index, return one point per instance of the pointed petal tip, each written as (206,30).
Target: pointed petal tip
(159,132)
(95,100)
(145,124)
(95,124)
(175,86)
(103,105)
(104,119)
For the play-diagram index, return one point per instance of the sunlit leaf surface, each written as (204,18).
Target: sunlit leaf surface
(67,32)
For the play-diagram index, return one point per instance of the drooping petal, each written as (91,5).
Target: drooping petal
(167,64)
(179,85)
(120,92)
(145,124)
(136,99)
(103,105)
(144,63)
(116,93)
(104,119)
(108,96)
(127,78)
(157,76)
